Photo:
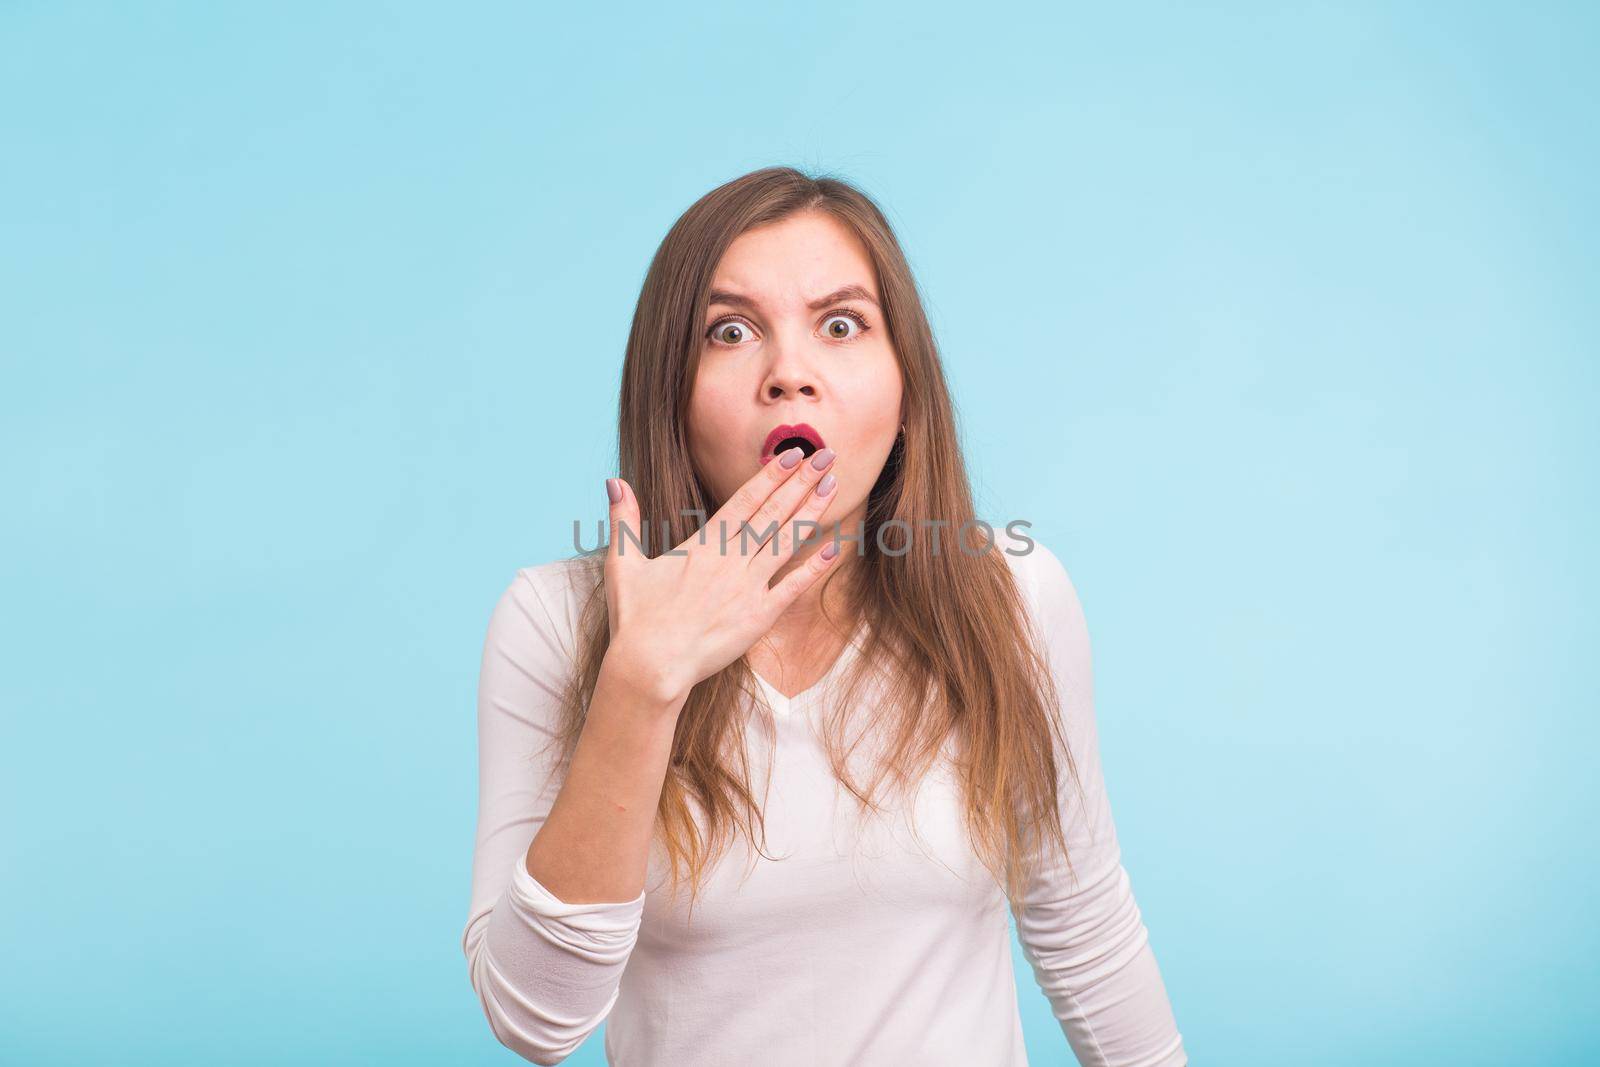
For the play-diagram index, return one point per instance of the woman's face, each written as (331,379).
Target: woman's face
(793,335)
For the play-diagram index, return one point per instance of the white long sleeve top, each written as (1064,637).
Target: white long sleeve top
(855,945)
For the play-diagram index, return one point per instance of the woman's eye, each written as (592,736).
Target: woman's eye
(840,326)
(843,327)
(729,333)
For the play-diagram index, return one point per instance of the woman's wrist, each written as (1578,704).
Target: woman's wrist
(644,678)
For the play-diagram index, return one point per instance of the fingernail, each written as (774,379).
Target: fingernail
(825,486)
(830,550)
(613,490)
(791,457)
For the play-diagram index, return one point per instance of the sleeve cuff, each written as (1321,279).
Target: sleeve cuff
(595,917)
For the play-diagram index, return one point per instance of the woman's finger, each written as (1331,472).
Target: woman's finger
(627,539)
(739,508)
(800,522)
(772,519)
(802,577)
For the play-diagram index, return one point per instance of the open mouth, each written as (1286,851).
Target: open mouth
(784,437)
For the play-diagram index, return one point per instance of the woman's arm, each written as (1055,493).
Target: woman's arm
(559,871)
(1081,929)
(560,861)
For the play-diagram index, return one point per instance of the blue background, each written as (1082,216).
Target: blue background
(1278,323)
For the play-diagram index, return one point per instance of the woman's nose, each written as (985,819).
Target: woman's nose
(789,373)
(777,389)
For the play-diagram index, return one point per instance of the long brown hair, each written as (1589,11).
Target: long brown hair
(946,628)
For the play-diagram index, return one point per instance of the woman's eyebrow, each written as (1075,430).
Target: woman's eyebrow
(849,292)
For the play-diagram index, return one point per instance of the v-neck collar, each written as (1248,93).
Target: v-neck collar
(783,704)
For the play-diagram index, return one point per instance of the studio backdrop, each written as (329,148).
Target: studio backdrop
(1276,322)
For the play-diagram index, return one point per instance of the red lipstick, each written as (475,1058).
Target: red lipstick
(784,437)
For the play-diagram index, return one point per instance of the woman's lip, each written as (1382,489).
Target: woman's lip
(783,430)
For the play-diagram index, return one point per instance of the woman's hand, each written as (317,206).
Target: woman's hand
(684,615)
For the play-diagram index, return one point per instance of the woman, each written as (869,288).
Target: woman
(768,797)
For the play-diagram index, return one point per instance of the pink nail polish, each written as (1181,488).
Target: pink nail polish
(825,486)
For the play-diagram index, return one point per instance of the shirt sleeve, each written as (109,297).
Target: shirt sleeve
(546,972)
(1080,928)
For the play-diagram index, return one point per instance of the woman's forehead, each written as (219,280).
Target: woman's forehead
(802,257)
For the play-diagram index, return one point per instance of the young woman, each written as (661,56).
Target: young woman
(763,777)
